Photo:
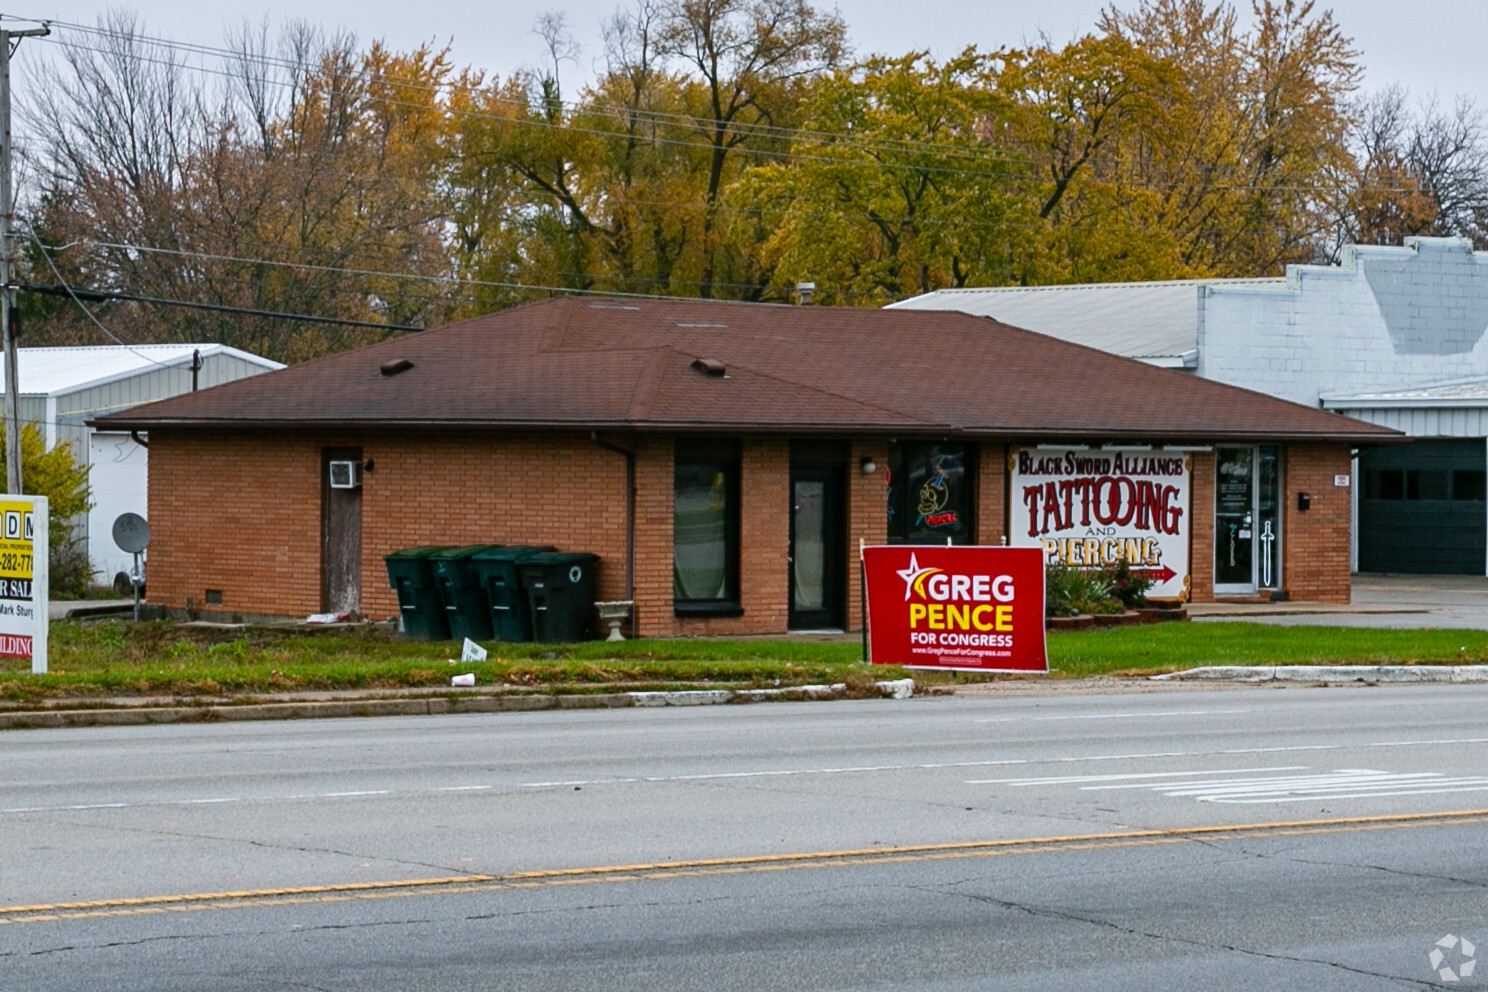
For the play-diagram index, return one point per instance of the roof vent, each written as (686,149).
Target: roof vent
(710,366)
(393,368)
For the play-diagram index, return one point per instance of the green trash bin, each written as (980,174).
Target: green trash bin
(458,584)
(496,571)
(411,575)
(560,591)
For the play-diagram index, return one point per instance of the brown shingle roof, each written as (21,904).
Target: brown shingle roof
(613,364)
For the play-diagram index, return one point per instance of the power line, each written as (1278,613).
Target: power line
(99,296)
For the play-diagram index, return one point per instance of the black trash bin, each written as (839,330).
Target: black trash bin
(496,571)
(458,583)
(560,591)
(411,575)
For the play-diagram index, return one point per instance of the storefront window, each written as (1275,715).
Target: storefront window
(929,493)
(705,529)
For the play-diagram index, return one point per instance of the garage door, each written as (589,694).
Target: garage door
(1422,508)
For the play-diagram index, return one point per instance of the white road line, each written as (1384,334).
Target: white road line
(465,788)
(1076,779)
(1106,716)
(994,763)
(1342,783)
(1256,782)
(345,795)
(1373,794)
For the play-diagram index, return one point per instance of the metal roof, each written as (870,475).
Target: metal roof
(1471,392)
(1155,322)
(58,371)
(701,366)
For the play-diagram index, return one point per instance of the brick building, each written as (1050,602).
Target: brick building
(726,460)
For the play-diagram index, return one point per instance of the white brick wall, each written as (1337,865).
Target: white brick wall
(1388,319)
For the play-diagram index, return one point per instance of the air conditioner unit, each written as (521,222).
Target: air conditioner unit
(346,475)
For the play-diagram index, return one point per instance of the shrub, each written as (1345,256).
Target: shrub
(1069,591)
(1128,585)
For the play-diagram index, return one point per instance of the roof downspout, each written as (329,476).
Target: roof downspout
(630,522)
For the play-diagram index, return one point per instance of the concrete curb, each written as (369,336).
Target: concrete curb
(134,716)
(1331,673)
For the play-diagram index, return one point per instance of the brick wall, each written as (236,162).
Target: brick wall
(992,511)
(655,458)
(242,515)
(1316,542)
(1201,529)
(867,518)
(1389,317)
(237,515)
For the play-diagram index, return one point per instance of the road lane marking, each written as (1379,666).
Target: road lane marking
(711,867)
(780,773)
(995,763)
(1134,715)
(1077,779)
(1342,783)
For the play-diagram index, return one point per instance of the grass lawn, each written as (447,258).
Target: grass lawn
(114,657)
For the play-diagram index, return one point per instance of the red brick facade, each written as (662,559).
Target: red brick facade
(241,516)
(1316,540)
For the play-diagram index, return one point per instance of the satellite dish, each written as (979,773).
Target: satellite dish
(131,533)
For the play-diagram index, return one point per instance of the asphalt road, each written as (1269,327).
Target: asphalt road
(1216,839)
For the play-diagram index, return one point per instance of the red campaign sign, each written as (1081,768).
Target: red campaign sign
(972,608)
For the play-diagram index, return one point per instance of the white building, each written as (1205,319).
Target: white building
(1393,336)
(60,388)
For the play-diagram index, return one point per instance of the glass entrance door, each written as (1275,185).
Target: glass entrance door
(1234,520)
(817,558)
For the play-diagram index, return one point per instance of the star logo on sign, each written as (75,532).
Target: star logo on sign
(1465,958)
(914,577)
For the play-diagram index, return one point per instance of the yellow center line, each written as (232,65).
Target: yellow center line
(709,867)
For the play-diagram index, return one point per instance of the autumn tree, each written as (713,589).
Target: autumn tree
(890,189)
(296,185)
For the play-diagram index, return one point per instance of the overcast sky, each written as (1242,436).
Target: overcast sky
(1424,44)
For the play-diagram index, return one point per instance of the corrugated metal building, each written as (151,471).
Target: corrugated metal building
(61,388)
(1395,336)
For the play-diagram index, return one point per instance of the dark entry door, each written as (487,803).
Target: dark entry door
(818,560)
(1234,520)
(341,531)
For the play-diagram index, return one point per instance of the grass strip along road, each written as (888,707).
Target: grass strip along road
(615,874)
(114,658)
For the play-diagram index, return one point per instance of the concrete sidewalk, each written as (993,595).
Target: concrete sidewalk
(1394,601)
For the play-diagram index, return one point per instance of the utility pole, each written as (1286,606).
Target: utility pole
(7,267)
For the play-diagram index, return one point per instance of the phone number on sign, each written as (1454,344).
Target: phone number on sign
(15,563)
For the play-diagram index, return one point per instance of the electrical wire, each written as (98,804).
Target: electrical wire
(98,296)
(63,283)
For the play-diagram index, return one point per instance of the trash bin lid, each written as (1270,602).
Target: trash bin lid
(468,551)
(561,558)
(421,552)
(513,552)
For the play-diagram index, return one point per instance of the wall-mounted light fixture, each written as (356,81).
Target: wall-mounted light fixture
(1304,501)
(869,465)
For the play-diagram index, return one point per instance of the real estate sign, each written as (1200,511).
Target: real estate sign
(1092,508)
(23,579)
(933,606)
